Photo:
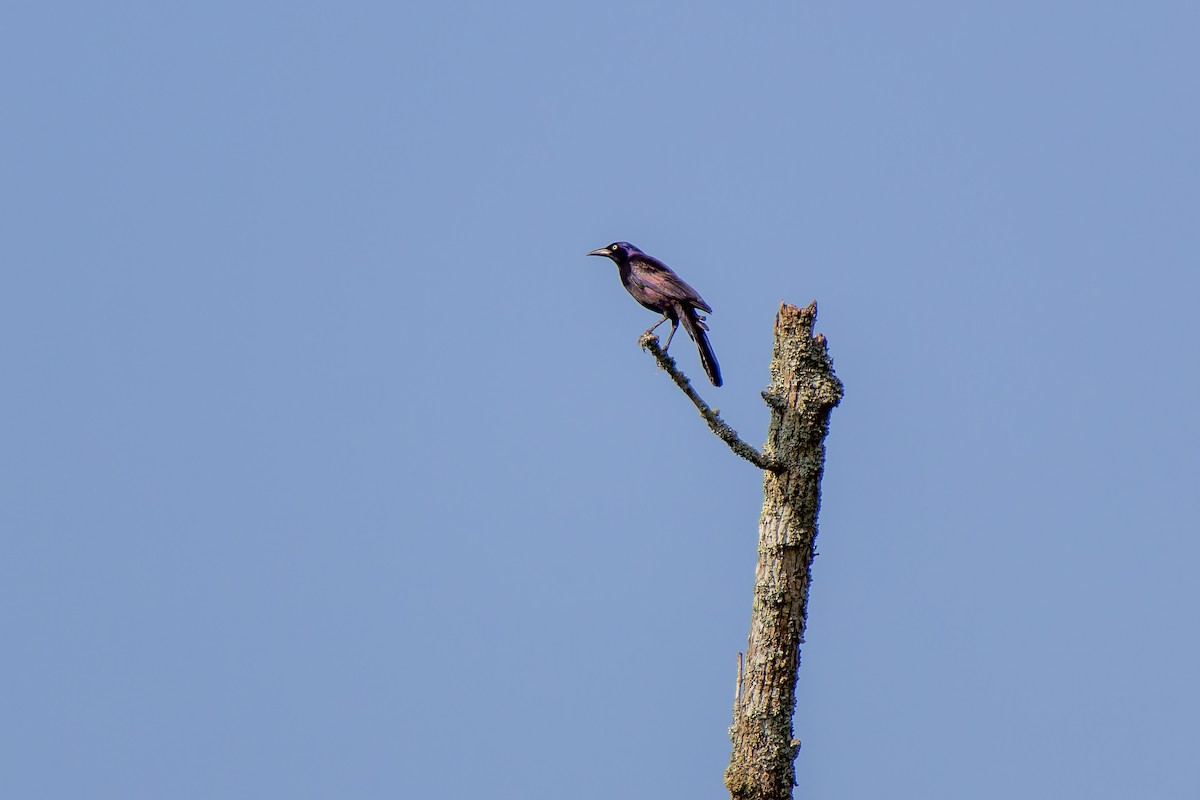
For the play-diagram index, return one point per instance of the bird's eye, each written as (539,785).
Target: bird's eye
(613,247)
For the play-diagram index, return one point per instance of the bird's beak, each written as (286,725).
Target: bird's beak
(603,251)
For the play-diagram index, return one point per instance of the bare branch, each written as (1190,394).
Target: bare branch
(649,341)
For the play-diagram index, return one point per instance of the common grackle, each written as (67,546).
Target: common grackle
(654,285)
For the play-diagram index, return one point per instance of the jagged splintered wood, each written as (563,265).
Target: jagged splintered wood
(803,390)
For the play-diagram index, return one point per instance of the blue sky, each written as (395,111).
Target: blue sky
(331,467)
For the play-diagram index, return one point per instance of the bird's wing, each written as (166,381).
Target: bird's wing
(658,277)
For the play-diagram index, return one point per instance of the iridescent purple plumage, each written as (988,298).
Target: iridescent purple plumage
(654,285)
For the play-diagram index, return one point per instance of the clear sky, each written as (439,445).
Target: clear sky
(330,466)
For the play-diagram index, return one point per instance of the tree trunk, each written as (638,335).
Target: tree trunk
(803,391)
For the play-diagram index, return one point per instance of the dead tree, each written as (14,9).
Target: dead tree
(803,392)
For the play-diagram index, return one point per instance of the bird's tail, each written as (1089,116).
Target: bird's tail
(694,323)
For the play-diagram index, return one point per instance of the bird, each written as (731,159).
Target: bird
(656,286)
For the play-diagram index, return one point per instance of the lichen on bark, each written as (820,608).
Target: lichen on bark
(803,392)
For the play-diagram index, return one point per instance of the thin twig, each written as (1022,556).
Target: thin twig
(649,341)
(737,692)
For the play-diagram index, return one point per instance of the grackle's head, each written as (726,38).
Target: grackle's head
(618,251)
